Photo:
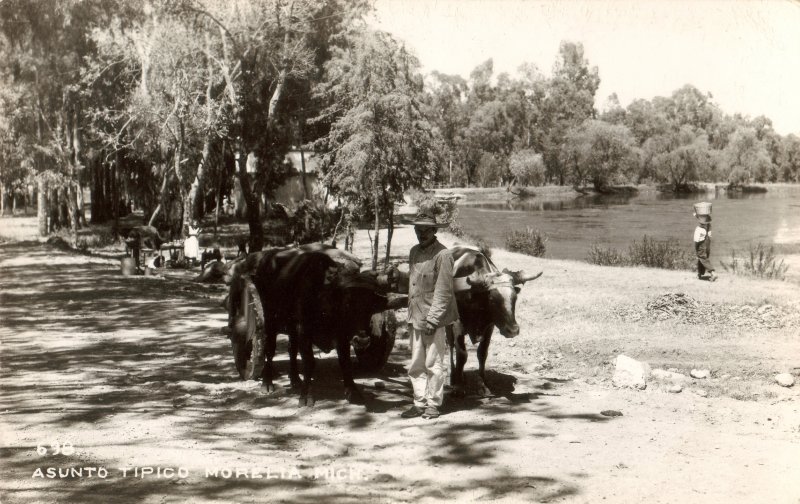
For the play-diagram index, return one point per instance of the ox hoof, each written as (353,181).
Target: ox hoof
(305,402)
(269,387)
(458,392)
(483,390)
(353,396)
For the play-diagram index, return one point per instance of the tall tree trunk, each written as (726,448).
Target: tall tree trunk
(72,199)
(303,172)
(115,194)
(41,206)
(389,234)
(3,200)
(252,209)
(376,248)
(162,196)
(221,168)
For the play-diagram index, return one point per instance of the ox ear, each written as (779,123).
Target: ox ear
(520,277)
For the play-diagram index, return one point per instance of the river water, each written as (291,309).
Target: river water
(573,225)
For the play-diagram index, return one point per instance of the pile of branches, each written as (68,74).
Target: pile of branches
(688,310)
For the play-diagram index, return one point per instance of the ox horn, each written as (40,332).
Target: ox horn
(520,277)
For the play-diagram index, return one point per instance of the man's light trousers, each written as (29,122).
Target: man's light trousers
(427,370)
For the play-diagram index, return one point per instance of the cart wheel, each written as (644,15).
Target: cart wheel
(383,327)
(248,337)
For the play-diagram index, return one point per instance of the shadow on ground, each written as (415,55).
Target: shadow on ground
(90,354)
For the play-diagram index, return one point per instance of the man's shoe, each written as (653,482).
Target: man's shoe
(712,278)
(431,412)
(412,412)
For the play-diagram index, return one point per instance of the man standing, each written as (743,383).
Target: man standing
(431,308)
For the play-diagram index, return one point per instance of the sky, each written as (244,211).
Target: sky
(746,53)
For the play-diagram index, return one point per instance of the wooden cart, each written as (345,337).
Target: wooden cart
(247,335)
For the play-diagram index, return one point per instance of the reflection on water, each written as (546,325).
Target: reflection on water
(535,204)
(574,224)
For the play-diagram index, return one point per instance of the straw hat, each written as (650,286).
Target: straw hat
(424,219)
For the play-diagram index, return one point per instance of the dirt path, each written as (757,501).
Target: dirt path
(133,374)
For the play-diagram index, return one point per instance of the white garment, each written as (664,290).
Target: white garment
(427,369)
(191,248)
(700,234)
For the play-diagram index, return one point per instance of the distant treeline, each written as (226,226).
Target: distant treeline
(533,129)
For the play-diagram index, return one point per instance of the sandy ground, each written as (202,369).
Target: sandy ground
(132,375)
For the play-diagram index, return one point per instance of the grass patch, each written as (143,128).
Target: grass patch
(759,261)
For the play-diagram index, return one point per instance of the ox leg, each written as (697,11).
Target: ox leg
(269,350)
(351,392)
(307,354)
(294,374)
(483,352)
(457,370)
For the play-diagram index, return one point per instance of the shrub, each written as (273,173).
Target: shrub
(456,229)
(658,254)
(649,252)
(606,256)
(530,242)
(760,261)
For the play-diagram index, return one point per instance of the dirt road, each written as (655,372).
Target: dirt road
(131,377)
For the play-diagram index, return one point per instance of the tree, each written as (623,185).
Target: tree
(746,157)
(600,153)
(380,142)
(527,167)
(260,49)
(446,97)
(43,48)
(569,101)
(612,112)
(680,157)
(790,158)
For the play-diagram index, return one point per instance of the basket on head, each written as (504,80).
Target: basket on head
(703,208)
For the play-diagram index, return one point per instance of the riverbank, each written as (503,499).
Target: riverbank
(468,195)
(132,372)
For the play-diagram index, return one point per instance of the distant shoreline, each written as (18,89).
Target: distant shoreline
(477,194)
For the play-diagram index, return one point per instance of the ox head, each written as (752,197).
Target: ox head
(360,296)
(500,289)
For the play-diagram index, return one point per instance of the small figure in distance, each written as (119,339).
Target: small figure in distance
(191,246)
(702,247)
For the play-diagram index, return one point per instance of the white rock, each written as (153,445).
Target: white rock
(700,373)
(784,379)
(675,389)
(630,373)
(701,393)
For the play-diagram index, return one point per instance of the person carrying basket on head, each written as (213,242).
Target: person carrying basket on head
(702,241)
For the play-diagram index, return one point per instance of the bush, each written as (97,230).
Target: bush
(649,252)
(530,242)
(658,254)
(760,261)
(606,256)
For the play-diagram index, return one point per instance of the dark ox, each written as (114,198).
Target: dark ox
(486,299)
(317,296)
